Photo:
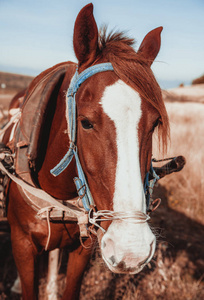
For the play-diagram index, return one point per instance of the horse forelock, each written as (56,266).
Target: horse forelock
(132,68)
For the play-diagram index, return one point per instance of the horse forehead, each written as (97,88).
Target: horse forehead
(92,90)
(121,103)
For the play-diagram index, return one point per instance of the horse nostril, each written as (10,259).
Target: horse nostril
(112,260)
(108,247)
(108,251)
(103,244)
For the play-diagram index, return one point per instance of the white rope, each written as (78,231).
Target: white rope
(107,215)
(47,210)
(41,194)
(46,200)
(135,217)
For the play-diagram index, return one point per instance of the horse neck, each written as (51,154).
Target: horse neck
(62,186)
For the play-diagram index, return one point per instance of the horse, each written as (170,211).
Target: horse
(104,132)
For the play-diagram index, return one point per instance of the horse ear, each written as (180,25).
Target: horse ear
(85,36)
(150,45)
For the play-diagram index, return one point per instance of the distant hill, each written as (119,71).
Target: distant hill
(11,83)
(199,80)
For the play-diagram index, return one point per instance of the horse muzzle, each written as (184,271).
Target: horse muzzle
(126,252)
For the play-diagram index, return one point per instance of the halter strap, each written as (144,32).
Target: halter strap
(80,181)
(149,185)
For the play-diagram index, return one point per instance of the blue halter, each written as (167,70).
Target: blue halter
(149,185)
(80,181)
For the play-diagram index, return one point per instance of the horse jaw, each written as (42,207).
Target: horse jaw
(126,246)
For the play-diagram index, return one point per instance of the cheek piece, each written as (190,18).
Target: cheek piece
(80,181)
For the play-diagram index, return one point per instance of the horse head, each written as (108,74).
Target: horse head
(117,112)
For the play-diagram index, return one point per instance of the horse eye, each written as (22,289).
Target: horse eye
(157,123)
(86,124)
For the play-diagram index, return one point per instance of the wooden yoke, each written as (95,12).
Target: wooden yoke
(174,165)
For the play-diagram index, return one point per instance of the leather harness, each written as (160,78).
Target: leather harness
(26,146)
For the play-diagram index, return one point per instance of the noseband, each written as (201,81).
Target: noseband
(80,181)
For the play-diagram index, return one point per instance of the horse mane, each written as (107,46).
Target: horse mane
(133,69)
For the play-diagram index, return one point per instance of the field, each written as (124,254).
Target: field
(177,270)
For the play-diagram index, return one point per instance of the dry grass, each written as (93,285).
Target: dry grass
(169,279)
(194,93)
(186,188)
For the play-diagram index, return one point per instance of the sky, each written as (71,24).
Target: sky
(37,34)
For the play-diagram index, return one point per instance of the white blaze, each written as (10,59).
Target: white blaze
(127,242)
(123,106)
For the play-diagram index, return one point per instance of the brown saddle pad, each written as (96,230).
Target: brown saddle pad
(43,90)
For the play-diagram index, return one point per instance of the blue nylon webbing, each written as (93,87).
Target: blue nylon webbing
(149,184)
(80,181)
(81,184)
